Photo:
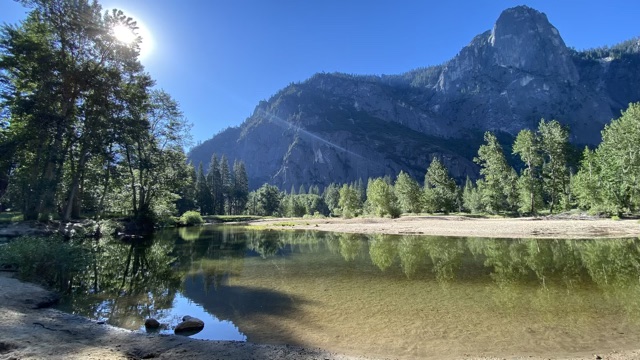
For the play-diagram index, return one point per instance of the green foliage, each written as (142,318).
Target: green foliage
(527,146)
(499,187)
(9,217)
(619,161)
(440,190)
(471,197)
(331,197)
(191,218)
(265,201)
(84,131)
(204,198)
(408,193)
(50,260)
(382,199)
(222,190)
(554,145)
(585,185)
(290,206)
(609,177)
(349,202)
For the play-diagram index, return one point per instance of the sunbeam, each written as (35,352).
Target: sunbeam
(277,120)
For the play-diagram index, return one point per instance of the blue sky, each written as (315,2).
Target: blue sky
(218,58)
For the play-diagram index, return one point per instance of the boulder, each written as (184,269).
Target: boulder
(189,326)
(151,324)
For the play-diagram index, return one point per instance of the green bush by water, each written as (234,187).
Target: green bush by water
(10,217)
(191,218)
(51,261)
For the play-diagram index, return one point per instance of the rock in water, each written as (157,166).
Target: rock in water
(189,326)
(151,324)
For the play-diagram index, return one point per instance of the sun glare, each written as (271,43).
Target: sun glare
(127,36)
(124,34)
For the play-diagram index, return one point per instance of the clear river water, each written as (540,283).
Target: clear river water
(375,295)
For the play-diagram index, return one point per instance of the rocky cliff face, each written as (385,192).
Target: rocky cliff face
(338,128)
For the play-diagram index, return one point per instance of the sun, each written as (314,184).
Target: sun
(127,36)
(124,34)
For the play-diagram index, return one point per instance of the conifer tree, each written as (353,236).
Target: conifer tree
(240,186)
(498,188)
(408,193)
(440,190)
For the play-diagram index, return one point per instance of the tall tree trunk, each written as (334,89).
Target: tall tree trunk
(133,181)
(74,186)
(107,179)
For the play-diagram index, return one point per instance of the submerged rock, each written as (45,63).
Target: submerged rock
(189,326)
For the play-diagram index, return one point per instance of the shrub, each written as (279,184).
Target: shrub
(48,260)
(191,218)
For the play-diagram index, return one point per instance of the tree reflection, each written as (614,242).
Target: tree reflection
(412,254)
(190,233)
(127,281)
(351,246)
(446,255)
(383,250)
(611,262)
(132,280)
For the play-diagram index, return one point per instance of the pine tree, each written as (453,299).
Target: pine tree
(241,187)
(227,184)
(214,180)
(203,193)
(331,197)
(471,197)
(499,187)
(440,190)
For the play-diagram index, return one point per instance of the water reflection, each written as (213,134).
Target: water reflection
(361,293)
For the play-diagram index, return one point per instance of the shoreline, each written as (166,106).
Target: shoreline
(31,330)
(464,226)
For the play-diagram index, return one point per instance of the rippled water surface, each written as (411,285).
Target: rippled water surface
(376,295)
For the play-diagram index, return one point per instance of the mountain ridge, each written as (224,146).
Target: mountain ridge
(335,127)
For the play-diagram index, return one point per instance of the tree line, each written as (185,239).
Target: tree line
(604,180)
(221,190)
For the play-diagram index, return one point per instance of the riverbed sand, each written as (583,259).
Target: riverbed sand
(529,227)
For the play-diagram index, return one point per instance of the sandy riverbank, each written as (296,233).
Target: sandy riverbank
(539,228)
(29,330)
